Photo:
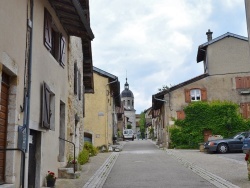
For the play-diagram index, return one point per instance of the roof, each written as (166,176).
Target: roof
(74,16)
(114,84)
(127,93)
(157,99)
(75,19)
(201,54)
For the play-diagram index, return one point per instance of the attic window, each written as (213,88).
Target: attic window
(195,94)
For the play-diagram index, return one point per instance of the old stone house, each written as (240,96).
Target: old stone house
(34,54)
(226,77)
(100,122)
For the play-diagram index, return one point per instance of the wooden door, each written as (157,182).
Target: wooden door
(3,122)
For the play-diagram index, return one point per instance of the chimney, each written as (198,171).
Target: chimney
(209,35)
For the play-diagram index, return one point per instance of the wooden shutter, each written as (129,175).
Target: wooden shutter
(203,94)
(187,96)
(243,108)
(47,30)
(239,82)
(46,112)
(62,59)
(75,78)
(79,86)
(247,82)
(180,114)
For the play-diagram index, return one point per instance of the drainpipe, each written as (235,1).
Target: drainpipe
(107,110)
(27,97)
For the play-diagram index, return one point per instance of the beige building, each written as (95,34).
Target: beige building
(100,122)
(226,77)
(34,69)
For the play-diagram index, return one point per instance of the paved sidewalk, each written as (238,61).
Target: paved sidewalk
(218,170)
(94,173)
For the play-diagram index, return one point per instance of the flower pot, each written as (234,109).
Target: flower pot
(51,183)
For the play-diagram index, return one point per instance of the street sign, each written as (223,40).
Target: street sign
(22,138)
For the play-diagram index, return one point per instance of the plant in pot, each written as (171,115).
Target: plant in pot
(51,179)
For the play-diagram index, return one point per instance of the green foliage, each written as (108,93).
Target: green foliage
(129,126)
(92,150)
(142,122)
(151,132)
(222,118)
(83,157)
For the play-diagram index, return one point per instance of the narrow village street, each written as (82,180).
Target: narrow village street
(143,164)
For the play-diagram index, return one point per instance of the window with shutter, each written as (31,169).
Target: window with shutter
(54,41)
(46,111)
(47,30)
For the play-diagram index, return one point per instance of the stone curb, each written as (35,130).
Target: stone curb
(212,178)
(100,176)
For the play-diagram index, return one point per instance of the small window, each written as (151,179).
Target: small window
(128,102)
(53,39)
(195,94)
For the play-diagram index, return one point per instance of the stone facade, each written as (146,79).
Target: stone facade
(100,115)
(38,74)
(225,68)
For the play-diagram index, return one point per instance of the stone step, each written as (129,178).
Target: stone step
(68,173)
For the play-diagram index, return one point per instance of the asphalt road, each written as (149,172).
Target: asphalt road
(142,164)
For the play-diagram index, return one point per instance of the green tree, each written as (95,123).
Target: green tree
(129,126)
(142,123)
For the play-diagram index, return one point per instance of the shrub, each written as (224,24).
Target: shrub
(83,156)
(221,117)
(92,150)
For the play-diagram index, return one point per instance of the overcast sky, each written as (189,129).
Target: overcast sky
(156,41)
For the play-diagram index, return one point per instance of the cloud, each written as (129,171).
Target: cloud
(156,42)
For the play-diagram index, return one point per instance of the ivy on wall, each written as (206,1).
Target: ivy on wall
(221,117)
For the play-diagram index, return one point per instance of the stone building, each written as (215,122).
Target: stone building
(34,72)
(226,77)
(101,120)
(127,98)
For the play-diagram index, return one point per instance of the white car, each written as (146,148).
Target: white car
(128,134)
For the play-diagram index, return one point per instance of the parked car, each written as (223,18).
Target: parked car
(246,145)
(128,134)
(228,144)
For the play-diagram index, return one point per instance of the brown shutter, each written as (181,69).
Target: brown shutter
(79,86)
(248,110)
(203,94)
(62,59)
(47,30)
(187,96)
(75,78)
(239,82)
(247,82)
(180,115)
(243,108)
(46,112)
